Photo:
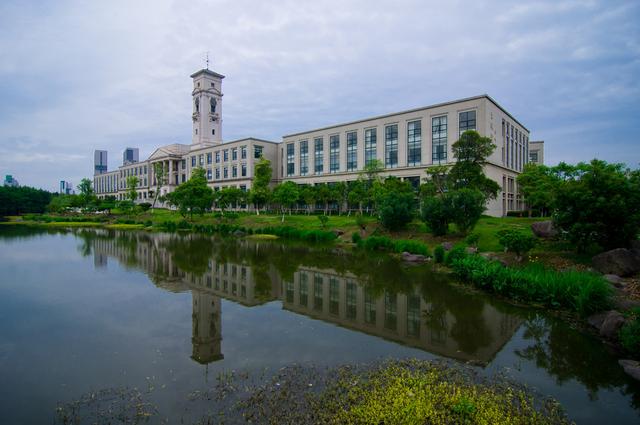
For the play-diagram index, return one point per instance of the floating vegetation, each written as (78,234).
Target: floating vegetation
(107,406)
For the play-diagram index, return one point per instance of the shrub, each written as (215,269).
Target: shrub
(355,237)
(145,206)
(435,215)
(457,252)
(184,225)
(630,332)
(148,223)
(466,207)
(516,241)
(438,254)
(413,247)
(472,239)
(396,209)
(374,243)
(361,222)
(323,220)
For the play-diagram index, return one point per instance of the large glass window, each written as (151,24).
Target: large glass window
(391,146)
(217,157)
(390,311)
(226,155)
(244,170)
(467,121)
(304,157)
(209,157)
(304,288)
(334,296)
(317,292)
(351,301)
(352,151)
(234,154)
(370,141)
(290,164)
(369,306)
(414,143)
(257,152)
(334,153)
(243,152)
(318,157)
(439,139)
(234,171)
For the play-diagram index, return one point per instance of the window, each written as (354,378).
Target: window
(352,151)
(370,140)
(304,289)
(193,161)
(226,155)
(318,155)
(334,153)
(391,146)
(208,173)
(390,311)
(234,154)
(467,121)
(439,139)
(244,170)
(533,156)
(201,159)
(225,172)
(334,296)
(209,157)
(304,157)
(243,152)
(213,103)
(414,143)
(184,164)
(290,158)
(217,173)
(369,307)
(413,315)
(234,171)
(257,152)
(197,105)
(351,301)
(218,157)
(317,292)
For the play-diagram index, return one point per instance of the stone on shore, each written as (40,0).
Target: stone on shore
(620,261)
(612,323)
(413,258)
(631,368)
(544,229)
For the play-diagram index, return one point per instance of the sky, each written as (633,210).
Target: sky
(76,76)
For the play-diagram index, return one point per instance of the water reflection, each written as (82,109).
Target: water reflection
(420,310)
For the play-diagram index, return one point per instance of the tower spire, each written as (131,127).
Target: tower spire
(207,59)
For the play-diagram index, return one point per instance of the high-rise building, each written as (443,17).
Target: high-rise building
(130,156)
(99,162)
(10,181)
(66,188)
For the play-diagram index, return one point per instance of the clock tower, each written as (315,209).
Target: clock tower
(207,108)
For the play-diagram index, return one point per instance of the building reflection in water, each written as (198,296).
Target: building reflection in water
(435,318)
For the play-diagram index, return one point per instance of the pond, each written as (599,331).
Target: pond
(87,310)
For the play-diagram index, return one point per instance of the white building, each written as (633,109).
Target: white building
(406,142)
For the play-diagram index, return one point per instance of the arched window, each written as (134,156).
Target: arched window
(197,105)
(214,103)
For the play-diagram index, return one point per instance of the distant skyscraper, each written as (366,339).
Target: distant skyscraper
(10,181)
(99,162)
(130,156)
(66,188)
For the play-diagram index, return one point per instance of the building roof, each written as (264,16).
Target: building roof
(245,139)
(485,96)
(208,72)
(176,149)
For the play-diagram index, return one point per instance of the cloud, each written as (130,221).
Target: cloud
(77,76)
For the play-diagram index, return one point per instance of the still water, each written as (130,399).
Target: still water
(86,310)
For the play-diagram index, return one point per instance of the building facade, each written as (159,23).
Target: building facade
(10,181)
(536,152)
(406,143)
(99,162)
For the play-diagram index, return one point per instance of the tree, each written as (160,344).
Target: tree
(471,152)
(228,197)
(193,195)
(86,192)
(538,184)
(23,199)
(260,192)
(132,184)
(516,242)
(396,204)
(357,194)
(161,180)
(436,215)
(286,194)
(599,204)
(323,194)
(308,195)
(465,208)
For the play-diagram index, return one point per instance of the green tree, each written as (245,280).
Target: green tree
(599,204)
(286,194)
(465,208)
(357,194)
(23,199)
(132,184)
(396,204)
(517,242)
(539,184)
(471,152)
(323,194)
(436,215)
(193,195)
(160,181)
(260,192)
(86,192)
(308,195)
(229,197)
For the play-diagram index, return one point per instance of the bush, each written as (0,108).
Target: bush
(413,247)
(148,223)
(145,206)
(355,237)
(438,254)
(457,252)
(472,239)
(630,332)
(375,243)
(516,241)
(466,207)
(582,292)
(323,220)
(184,225)
(435,215)
(396,209)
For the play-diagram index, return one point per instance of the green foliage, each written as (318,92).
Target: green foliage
(160,178)
(293,233)
(629,335)
(260,193)
(581,292)
(471,151)
(86,192)
(412,247)
(286,194)
(465,208)
(516,241)
(323,221)
(132,184)
(599,204)
(144,206)
(396,204)
(538,184)
(456,253)
(192,196)
(361,222)
(355,237)
(378,243)
(472,239)
(435,214)
(438,254)
(228,197)
(20,200)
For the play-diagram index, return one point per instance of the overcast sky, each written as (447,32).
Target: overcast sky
(82,75)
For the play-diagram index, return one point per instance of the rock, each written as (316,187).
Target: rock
(619,261)
(239,233)
(544,229)
(624,303)
(635,247)
(413,258)
(631,368)
(338,251)
(447,246)
(597,319)
(472,250)
(338,232)
(612,323)
(614,279)
(492,257)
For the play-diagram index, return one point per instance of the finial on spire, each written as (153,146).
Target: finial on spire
(207,59)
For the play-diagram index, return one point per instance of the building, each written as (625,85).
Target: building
(401,141)
(130,156)
(99,162)
(536,152)
(10,181)
(66,188)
